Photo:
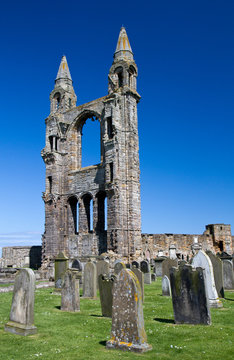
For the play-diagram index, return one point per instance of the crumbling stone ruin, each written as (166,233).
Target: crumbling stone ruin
(72,191)
(97,209)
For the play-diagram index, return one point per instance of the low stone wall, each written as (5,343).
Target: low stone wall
(21,256)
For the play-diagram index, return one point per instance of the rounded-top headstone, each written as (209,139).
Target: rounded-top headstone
(201,259)
(118,267)
(22,308)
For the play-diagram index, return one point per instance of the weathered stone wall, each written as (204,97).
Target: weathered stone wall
(216,238)
(20,256)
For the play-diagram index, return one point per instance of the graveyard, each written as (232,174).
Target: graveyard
(83,334)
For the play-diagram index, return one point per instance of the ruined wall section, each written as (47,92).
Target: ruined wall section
(21,256)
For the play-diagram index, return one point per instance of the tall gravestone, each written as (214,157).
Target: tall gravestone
(90,280)
(166,286)
(228,274)
(119,265)
(167,265)
(70,295)
(22,308)
(127,331)
(158,265)
(140,276)
(189,295)
(102,269)
(202,260)
(218,272)
(105,288)
(145,268)
(61,265)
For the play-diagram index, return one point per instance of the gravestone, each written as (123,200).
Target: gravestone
(228,279)
(102,268)
(140,276)
(136,264)
(167,264)
(61,265)
(202,260)
(90,281)
(158,265)
(22,308)
(153,277)
(218,272)
(119,265)
(189,295)
(145,268)
(127,331)
(105,287)
(70,295)
(166,286)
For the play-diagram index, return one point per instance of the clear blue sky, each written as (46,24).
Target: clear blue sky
(184,52)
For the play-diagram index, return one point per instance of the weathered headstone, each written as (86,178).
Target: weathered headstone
(218,272)
(158,265)
(90,280)
(61,265)
(70,295)
(136,264)
(140,276)
(166,286)
(228,279)
(127,331)
(153,277)
(105,288)
(167,264)
(22,308)
(102,268)
(145,268)
(189,295)
(202,260)
(119,265)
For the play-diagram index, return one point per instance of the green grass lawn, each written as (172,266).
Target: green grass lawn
(83,335)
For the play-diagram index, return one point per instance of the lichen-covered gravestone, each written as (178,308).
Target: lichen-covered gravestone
(127,331)
(218,272)
(90,280)
(22,309)
(119,265)
(228,278)
(167,265)
(102,269)
(189,295)
(145,268)
(70,295)
(105,287)
(140,276)
(202,260)
(166,286)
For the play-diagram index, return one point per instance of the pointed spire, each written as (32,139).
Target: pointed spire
(123,48)
(63,72)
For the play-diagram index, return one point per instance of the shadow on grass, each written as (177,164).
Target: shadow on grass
(168,321)
(103,343)
(228,299)
(98,316)
(58,307)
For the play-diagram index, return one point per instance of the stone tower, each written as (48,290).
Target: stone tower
(94,209)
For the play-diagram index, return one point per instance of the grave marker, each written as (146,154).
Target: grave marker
(22,308)
(128,331)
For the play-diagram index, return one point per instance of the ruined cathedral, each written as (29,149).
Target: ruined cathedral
(76,198)
(97,209)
